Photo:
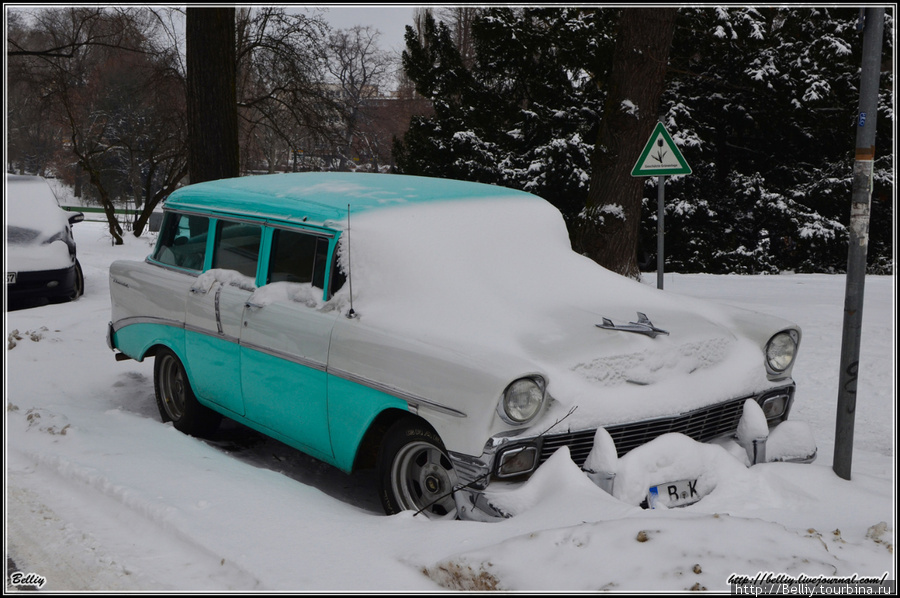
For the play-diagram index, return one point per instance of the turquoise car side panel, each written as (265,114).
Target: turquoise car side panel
(352,408)
(212,328)
(136,339)
(214,370)
(289,398)
(284,353)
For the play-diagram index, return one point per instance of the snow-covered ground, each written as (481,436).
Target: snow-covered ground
(101,496)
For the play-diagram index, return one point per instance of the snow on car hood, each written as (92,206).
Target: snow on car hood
(496,280)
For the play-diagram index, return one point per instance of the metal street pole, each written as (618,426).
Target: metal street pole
(660,229)
(861,201)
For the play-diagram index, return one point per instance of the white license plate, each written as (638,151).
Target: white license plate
(673,494)
(10,278)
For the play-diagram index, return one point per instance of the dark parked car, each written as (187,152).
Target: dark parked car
(40,248)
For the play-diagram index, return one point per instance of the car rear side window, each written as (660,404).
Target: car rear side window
(182,241)
(237,247)
(298,257)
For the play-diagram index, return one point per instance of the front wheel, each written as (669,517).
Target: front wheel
(78,291)
(175,398)
(415,473)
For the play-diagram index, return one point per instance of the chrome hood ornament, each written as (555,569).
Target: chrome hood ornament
(642,326)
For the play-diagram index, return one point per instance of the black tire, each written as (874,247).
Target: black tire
(79,282)
(176,400)
(414,471)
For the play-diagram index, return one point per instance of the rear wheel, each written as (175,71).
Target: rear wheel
(175,398)
(415,472)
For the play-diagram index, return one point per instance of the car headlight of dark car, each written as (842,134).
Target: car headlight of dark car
(781,350)
(522,400)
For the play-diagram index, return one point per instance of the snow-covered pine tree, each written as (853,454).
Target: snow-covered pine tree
(764,102)
(525,114)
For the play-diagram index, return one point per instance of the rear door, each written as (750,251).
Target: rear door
(215,310)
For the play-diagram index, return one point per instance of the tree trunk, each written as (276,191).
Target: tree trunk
(608,233)
(211,94)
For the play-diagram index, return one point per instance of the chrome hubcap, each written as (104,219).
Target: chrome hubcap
(173,387)
(422,479)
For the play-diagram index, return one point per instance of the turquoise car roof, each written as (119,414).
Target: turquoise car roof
(323,197)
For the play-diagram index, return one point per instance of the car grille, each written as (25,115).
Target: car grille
(702,425)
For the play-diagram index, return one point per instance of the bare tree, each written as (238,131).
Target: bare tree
(110,96)
(360,70)
(86,27)
(609,230)
(31,136)
(459,19)
(281,96)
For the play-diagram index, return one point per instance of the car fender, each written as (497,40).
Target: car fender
(455,393)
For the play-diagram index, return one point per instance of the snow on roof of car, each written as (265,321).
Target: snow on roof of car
(318,197)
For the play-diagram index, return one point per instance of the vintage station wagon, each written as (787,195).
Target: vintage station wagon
(441,331)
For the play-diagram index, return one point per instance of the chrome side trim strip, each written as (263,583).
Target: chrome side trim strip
(120,324)
(316,365)
(207,332)
(414,401)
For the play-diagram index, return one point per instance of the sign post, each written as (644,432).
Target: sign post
(860,206)
(660,158)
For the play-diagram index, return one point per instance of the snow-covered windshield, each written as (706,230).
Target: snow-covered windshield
(32,213)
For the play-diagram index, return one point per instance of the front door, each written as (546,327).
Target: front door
(284,343)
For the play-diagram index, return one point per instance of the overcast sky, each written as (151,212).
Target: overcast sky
(390,20)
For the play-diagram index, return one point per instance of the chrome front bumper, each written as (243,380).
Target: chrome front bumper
(597,451)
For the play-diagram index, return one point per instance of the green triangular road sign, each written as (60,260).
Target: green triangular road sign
(660,156)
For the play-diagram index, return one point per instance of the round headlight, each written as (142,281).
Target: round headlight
(780,351)
(522,400)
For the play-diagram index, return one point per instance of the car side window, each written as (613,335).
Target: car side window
(182,241)
(237,247)
(298,257)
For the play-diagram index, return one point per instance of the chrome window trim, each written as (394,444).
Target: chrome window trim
(261,220)
(149,260)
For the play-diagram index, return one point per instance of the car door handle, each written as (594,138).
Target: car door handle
(252,305)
